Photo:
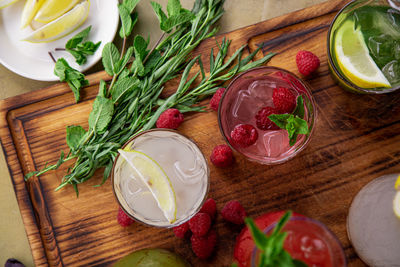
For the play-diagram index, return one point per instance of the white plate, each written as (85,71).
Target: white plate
(32,60)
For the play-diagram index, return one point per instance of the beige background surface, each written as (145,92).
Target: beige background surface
(239,13)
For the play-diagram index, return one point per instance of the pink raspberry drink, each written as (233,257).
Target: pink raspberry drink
(248,98)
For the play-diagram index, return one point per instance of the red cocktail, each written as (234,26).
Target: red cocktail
(308,240)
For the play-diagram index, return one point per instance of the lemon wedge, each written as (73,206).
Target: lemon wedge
(354,60)
(4,3)
(156,180)
(62,26)
(29,11)
(52,9)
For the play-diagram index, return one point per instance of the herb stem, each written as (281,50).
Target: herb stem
(154,47)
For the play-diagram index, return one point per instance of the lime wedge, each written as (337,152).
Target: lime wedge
(29,11)
(52,9)
(396,204)
(62,26)
(4,3)
(156,180)
(354,60)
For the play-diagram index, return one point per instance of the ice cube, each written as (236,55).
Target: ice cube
(243,108)
(275,143)
(381,49)
(392,72)
(262,89)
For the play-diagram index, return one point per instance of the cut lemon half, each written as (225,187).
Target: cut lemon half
(29,11)
(52,9)
(62,26)
(156,180)
(4,3)
(354,60)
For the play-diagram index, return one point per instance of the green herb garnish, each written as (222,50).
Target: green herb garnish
(74,78)
(293,123)
(272,253)
(79,49)
(131,102)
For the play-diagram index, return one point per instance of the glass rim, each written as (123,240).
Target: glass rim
(335,68)
(207,175)
(309,96)
(308,219)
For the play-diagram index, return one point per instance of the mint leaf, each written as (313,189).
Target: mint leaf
(102,89)
(122,86)
(159,12)
(130,4)
(80,50)
(259,237)
(176,20)
(173,7)
(110,58)
(299,110)
(100,117)
(73,77)
(123,61)
(281,120)
(74,136)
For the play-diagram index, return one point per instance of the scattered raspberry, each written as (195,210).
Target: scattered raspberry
(209,207)
(181,230)
(307,62)
(244,135)
(262,120)
(214,102)
(171,119)
(222,156)
(203,246)
(233,212)
(200,224)
(284,100)
(123,219)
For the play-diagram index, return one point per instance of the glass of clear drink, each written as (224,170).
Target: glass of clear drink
(364,46)
(250,92)
(178,158)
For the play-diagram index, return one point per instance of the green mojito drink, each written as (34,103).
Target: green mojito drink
(364,46)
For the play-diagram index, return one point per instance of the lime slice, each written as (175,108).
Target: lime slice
(4,3)
(396,204)
(52,9)
(354,60)
(156,180)
(29,11)
(62,26)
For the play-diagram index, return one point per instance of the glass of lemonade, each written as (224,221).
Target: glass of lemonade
(364,46)
(252,91)
(160,178)
(309,241)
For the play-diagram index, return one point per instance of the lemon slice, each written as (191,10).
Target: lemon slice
(156,180)
(62,26)
(4,3)
(397,183)
(29,11)
(354,60)
(52,9)
(396,204)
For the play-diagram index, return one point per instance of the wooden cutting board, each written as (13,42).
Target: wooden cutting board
(356,139)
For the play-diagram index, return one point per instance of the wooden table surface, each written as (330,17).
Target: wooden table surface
(355,140)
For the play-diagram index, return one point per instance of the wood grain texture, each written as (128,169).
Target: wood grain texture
(356,140)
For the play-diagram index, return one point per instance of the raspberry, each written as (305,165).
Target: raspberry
(209,207)
(200,224)
(171,119)
(262,120)
(181,230)
(123,219)
(222,156)
(233,212)
(307,62)
(214,102)
(203,246)
(284,100)
(244,135)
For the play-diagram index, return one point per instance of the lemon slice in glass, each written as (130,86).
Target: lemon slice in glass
(62,26)
(156,180)
(396,200)
(5,3)
(354,60)
(52,9)
(29,11)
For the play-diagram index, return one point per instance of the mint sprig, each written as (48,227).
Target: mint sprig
(79,49)
(272,253)
(293,123)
